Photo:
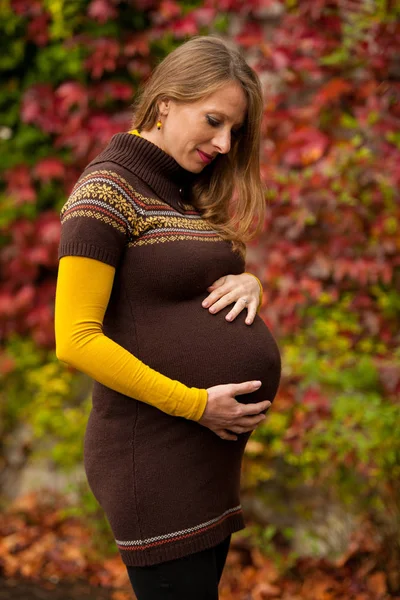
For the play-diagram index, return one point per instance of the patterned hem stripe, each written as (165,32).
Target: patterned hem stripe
(177,535)
(189,232)
(101,207)
(173,238)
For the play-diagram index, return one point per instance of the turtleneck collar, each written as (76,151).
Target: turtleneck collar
(151,164)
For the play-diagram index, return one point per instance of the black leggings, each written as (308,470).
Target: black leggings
(193,577)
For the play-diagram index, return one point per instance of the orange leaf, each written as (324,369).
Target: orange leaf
(121,596)
(265,590)
(377,584)
(334,89)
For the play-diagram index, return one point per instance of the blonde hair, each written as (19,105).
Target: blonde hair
(229,193)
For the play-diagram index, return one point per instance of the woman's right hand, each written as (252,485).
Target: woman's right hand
(224,414)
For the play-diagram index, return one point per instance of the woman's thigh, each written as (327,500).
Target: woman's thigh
(193,577)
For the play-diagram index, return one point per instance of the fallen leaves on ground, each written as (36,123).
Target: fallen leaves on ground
(38,543)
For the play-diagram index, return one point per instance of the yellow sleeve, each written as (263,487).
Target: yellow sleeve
(80,342)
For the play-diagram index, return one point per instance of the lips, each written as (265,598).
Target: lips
(204,157)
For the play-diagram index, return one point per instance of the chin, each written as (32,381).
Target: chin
(193,168)
(198,169)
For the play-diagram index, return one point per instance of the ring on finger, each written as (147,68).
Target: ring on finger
(244,300)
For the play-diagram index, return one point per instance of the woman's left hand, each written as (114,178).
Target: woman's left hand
(237,289)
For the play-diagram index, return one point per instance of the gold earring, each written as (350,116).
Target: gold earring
(159,124)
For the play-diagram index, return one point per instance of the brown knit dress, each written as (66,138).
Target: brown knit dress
(169,486)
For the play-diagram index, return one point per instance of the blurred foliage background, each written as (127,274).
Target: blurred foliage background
(329,257)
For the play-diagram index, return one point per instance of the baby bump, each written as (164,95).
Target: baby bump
(203,350)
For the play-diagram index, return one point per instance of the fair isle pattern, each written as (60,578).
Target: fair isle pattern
(102,195)
(109,198)
(177,535)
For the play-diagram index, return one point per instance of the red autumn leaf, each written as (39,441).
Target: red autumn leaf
(24,297)
(22,231)
(280,59)
(308,64)
(38,29)
(186,26)
(224,5)
(37,255)
(333,90)
(19,270)
(119,90)
(102,10)
(166,10)
(19,185)
(26,7)
(204,16)
(72,94)
(137,44)
(304,146)
(48,228)
(106,91)
(78,141)
(103,58)
(266,9)
(250,35)
(314,399)
(101,127)
(7,306)
(39,315)
(39,106)
(48,169)
(139,67)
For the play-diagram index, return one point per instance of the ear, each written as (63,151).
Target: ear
(164,105)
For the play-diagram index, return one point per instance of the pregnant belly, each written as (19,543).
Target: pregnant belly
(187,343)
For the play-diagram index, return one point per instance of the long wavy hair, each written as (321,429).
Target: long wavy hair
(229,191)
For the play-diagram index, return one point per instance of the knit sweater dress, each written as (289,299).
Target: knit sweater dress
(169,486)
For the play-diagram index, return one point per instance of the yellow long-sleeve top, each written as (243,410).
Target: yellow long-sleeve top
(83,290)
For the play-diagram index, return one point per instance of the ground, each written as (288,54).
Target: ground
(14,589)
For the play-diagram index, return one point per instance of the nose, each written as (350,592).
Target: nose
(222,141)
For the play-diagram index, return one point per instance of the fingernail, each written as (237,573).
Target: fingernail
(205,304)
(228,318)
(248,322)
(212,309)
(256,383)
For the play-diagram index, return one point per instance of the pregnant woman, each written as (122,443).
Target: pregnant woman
(153,302)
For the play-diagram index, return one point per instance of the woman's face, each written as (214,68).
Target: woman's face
(194,134)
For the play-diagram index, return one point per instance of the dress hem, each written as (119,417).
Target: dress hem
(178,549)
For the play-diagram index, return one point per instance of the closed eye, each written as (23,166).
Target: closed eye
(214,123)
